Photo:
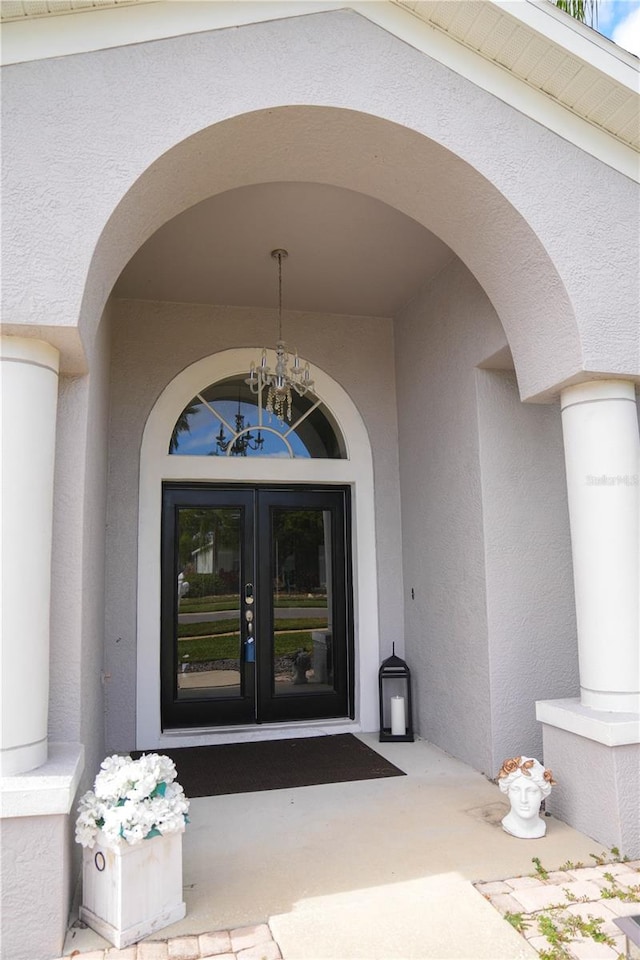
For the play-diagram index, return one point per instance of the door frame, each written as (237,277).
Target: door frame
(256,504)
(157,466)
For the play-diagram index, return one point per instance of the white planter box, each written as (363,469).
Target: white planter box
(130,891)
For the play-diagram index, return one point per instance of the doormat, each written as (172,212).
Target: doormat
(276,765)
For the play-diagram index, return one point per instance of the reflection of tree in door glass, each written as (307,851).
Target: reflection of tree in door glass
(208,633)
(208,550)
(302,632)
(298,538)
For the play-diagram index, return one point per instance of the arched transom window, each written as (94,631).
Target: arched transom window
(227,419)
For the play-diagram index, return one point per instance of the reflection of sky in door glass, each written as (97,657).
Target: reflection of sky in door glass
(200,440)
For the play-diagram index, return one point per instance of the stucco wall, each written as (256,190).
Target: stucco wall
(159,126)
(148,130)
(531,628)
(76,701)
(603,805)
(34,861)
(485,531)
(440,338)
(152,342)
(94,531)
(77,609)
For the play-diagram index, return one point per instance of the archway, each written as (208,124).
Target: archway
(157,466)
(361,152)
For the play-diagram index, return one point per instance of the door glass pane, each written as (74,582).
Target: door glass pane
(302,605)
(208,635)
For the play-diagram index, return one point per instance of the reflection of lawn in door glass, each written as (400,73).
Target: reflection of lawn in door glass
(221,628)
(225,646)
(209,646)
(217,604)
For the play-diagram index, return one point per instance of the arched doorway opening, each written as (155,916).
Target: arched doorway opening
(191,329)
(355,151)
(259,499)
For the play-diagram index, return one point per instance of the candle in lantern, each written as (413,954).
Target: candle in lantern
(398,721)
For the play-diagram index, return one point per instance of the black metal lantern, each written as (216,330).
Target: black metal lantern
(394,687)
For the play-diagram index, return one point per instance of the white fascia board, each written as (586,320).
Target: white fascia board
(577,38)
(68,33)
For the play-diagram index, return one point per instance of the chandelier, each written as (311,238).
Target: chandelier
(287,375)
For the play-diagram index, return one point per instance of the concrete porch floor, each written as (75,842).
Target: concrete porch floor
(372,869)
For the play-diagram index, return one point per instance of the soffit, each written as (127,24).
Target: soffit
(564,76)
(23,9)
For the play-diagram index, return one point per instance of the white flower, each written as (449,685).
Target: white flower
(143,787)
(133,799)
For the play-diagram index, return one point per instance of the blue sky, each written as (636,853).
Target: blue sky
(204,426)
(620,21)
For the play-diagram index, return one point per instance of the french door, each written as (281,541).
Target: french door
(256,604)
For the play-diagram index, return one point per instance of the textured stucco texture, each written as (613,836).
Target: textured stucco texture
(101,149)
(77,611)
(603,804)
(489,616)
(163,125)
(35,876)
(531,621)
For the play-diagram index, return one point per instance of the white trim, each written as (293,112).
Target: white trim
(156,465)
(47,791)
(34,36)
(578,38)
(258,732)
(37,353)
(41,38)
(612,729)
(597,391)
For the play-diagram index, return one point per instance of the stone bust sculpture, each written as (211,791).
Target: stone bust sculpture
(526,783)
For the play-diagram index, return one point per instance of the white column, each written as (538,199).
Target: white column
(29,391)
(600,427)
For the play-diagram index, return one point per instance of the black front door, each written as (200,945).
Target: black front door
(256,604)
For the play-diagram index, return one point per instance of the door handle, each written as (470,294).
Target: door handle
(250,642)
